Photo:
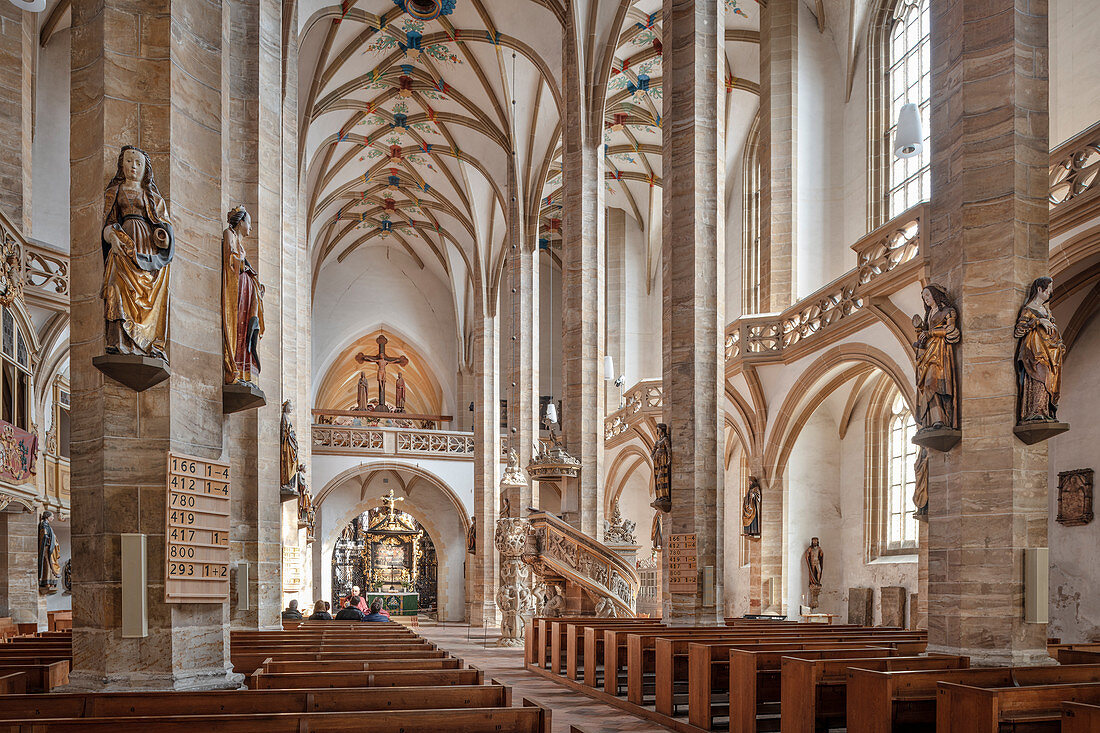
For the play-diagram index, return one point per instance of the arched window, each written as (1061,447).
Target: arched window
(891,476)
(750,222)
(900,73)
(15,362)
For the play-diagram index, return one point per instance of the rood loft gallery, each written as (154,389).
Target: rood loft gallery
(662,365)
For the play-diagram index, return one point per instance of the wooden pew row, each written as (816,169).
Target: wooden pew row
(748,683)
(1080,718)
(396,678)
(13,683)
(814,691)
(125,704)
(39,676)
(641,661)
(613,677)
(537,640)
(571,640)
(877,700)
(357,665)
(528,719)
(250,661)
(1038,708)
(671,656)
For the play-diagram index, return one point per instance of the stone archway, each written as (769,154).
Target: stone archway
(425,497)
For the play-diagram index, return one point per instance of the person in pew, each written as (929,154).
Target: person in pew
(376,612)
(362,601)
(320,612)
(351,611)
(292,611)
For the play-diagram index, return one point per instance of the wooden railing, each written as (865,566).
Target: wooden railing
(1074,189)
(886,259)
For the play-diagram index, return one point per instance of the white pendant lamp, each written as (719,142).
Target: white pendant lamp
(908,137)
(608,368)
(34,6)
(551,412)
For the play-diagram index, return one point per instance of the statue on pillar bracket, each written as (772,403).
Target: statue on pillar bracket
(138,246)
(1040,352)
(938,337)
(242,318)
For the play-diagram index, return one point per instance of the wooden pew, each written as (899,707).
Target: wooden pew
(528,719)
(972,709)
(243,662)
(356,665)
(125,704)
(39,676)
(615,655)
(751,680)
(878,699)
(13,683)
(1080,718)
(395,678)
(537,637)
(813,691)
(573,636)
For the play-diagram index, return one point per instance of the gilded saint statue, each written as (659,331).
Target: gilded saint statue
(937,384)
(750,509)
(1039,355)
(138,245)
(662,469)
(242,303)
(288,450)
(49,555)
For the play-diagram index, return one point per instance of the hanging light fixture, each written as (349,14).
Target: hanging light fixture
(908,136)
(608,368)
(34,6)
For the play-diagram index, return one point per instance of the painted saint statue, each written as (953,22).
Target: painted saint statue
(242,303)
(138,246)
(399,393)
(815,566)
(49,555)
(662,469)
(937,338)
(1039,355)
(288,449)
(750,509)
(362,390)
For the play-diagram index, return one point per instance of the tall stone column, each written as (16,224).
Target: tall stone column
(253,147)
(522,302)
(989,215)
(615,334)
(692,267)
(17,54)
(148,74)
(779,143)
(19,597)
(582,311)
(481,566)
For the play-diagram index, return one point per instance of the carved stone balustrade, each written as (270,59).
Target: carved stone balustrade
(41,272)
(1074,189)
(643,400)
(356,440)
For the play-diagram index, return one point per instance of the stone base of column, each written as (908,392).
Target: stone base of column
(483,614)
(214,679)
(997,657)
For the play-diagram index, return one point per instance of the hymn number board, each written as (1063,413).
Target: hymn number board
(683,574)
(197,547)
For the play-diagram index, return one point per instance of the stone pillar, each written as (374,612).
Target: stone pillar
(481,573)
(582,309)
(692,266)
(514,596)
(19,597)
(522,302)
(252,145)
(149,74)
(615,335)
(989,215)
(779,143)
(17,55)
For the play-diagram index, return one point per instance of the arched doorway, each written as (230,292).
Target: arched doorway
(387,553)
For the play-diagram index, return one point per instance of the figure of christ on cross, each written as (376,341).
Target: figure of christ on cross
(381,360)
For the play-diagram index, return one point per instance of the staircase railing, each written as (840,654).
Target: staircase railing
(567,553)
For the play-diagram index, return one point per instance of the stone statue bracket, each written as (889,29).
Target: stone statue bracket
(135,371)
(1037,432)
(241,396)
(938,439)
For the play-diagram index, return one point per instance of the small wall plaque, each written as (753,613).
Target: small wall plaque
(1075,497)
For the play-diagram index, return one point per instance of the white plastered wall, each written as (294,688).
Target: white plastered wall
(1073,27)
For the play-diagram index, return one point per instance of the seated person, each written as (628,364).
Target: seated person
(292,611)
(320,612)
(351,611)
(376,612)
(362,601)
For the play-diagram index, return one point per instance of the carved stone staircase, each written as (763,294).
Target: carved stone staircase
(596,578)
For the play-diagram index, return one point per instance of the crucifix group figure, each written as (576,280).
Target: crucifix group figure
(382,361)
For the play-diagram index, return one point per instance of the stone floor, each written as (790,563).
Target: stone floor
(476,647)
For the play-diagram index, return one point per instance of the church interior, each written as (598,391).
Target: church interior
(434,364)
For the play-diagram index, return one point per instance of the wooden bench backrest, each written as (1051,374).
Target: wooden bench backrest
(1080,718)
(355,665)
(968,709)
(393,678)
(126,704)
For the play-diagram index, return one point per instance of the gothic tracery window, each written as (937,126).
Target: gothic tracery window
(900,74)
(891,528)
(750,237)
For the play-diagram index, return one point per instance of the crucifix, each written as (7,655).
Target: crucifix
(391,501)
(382,361)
